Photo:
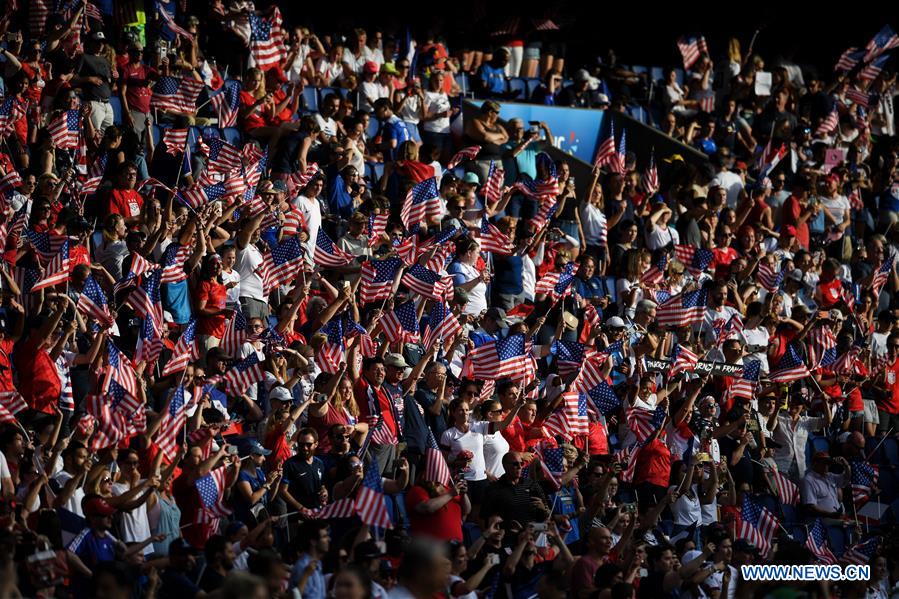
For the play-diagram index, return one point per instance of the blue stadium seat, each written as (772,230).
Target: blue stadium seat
(232,136)
(116,104)
(463,81)
(837,537)
(638,68)
(374,171)
(373,126)
(680,76)
(533,83)
(656,73)
(324,91)
(310,99)
(520,85)
(638,113)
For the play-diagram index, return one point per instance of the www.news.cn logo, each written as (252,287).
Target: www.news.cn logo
(805,573)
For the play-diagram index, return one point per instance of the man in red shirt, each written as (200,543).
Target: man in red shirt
(435,510)
(796,211)
(888,407)
(124,199)
(376,408)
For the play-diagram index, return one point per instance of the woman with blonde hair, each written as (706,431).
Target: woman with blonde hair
(112,250)
(630,292)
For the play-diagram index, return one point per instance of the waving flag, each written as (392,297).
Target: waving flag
(198,195)
(829,124)
(186,350)
(604,397)
(605,154)
(377,226)
(682,360)
(428,283)
(146,298)
(12,110)
(655,275)
(226,103)
(552,466)
(377,279)
(494,240)
(400,325)
(176,94)
(885,39)
(47,245)
(849,59)
(574,404)
(790,368)
(818,545)
(442,324)
(92,302)
(212,494)
(859,97)
(223,157)
(172,425)
(493,187)
(822,346)
(57,271)
(266,40)
(649,181)
(121,379)
(235,333)
(169,22)
(756,524)
(139,266)
(149,343)
(422,202)
(328,254)
(744,386)
(243,374)
(645,423)
(281,265)
(570,355)
(864,480)
(65,129)
(11,403)
(505,358)
(697,260)
(872,69)
(882,276)
(299,180)
(436,468)
(9,183)
(333,350)
(556,284)
(619,164)
(683,310)
(469,153)
(862,553)
(543,190)
(175,141)
(371,504)
(770,158)
(787,490)
(770,277)
(691,49)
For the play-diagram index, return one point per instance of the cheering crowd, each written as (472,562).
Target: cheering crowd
(278,322)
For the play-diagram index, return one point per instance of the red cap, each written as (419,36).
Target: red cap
(821,455)
(97,506)
(370,67)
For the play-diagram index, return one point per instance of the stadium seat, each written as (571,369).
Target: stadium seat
(324,91)
(837,537)
(116,104)
(520,85)
(373,126)
(232,136)
(656,73)
(680,76)
(637,68)
(374,171)
(463,82)
(532,83)
(310,99)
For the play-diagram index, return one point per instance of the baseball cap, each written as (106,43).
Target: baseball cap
(253,447)
(97,506)
(98,36)
(795,274)
(217,353)
(280,394)
(370,67)
(471,178)
(279,186)
(497,314)
(180,547)
(602,99)
(616,323)
(395,360)
(367,550)
(789,230)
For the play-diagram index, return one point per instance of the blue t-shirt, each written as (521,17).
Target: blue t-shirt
(392,129)
(93,549)
(508,275)
(494,79)
(176,299)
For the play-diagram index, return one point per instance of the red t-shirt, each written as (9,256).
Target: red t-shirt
(654,464)
(361,392)
(830,293)
(598,439)
(78,254)
(38,378)
(6,347)
(516,435)
(323,424)
(276,441)
(126,202)
(215,295)
(444,524)
(255,119)
(890,405)
(790,213)
(137,77)
(188,499)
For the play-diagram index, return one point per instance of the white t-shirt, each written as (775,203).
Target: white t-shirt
(327,125)
(477,295)
(836,207)
(473,441)
(371,91)
(686,509)
(233,296)
(296,67)
(659,237)
(312,212)
(410,111)
(356,64)
(594,222)
(528,276)
(330,71)
(495,447)
(731,183)
(249,260)
(135,525)
(437,102)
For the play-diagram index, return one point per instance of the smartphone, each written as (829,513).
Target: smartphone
(539,526)
(492,559)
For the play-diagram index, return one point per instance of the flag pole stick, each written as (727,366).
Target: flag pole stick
(876,447)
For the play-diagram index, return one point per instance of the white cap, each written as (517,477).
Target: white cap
(616,323)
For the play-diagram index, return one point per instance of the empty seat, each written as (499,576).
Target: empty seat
(463,81)
(374,170)
(325,91)
(517,84)
(656,73)
(532,83)
(310,99)
(679,73)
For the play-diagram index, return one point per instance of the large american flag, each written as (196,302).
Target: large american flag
(422,202)
(756,524)
(92,302)
(47,245)
(173,419)
(744,385)
(684,309)
(185,350)
(371,503)
(427,283)
(691,49)
(574,404)
(266,40)
(504,358)
(697,260)
(327,253)
(243,374)
(818,545)
(377,279)
(885,39)
(226,103)
(212,494)
(494,240)
(864,479)
(556,284)
(176,94)
(442,324)
(282,264)
(849,59)
(790,368)
(11,403)
(606,154)
(644,423)
(223,157)
(682,360)
(175,141)
(65,129)
(468,153)
(872,70)
(600,392)
(173,260)
(57,271)
(400,325)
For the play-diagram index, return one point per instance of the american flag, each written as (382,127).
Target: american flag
(25,279)
(494,240)
(570,355)
(829,124)
(544,190)
(266,40)
(342,508)
(243,374)
(47,245)
(146,299)
(858,96)
(505,358)
(691,49)
(8,184)
(862,553)
(173,260)
(849,59)
(407,249)
(139,266)
(65,129)
(149,343)
(172,424)
(176,94)
(493,188)
(377,226)
(400,325)
(198,195)
(644,423)
(428,283)
(575,407)
(298,181)
(212,494)
(655,275)
(790,368)
(110,424)
(442,324)
(371,504)
(422,202)
(732,326)
(697,260)
(556,284)
(885,39)
(223,157)
(91,185)
(280,266)
(367,345)
(770,158)
(333,350)
(38,12)
(185,350)
(11,111)
(744,386)
(226,103)
(57,271)
(327,253)
(235,333)
(175,28)
(552,466)
(787,490)
(822,346)
(707,101)
(606,153)
(175,141)
(848,363)
(377,279)
(11,403)
(649,182)
(682,360)
(92,302)
(882,276)
(604,397)
(619,164)
(469,153)
(818,545)
(864,479)
(872,70)
(756,524)
(436,468)
(682,310)
(121,373)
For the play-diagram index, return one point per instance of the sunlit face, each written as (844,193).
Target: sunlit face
(462,414)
